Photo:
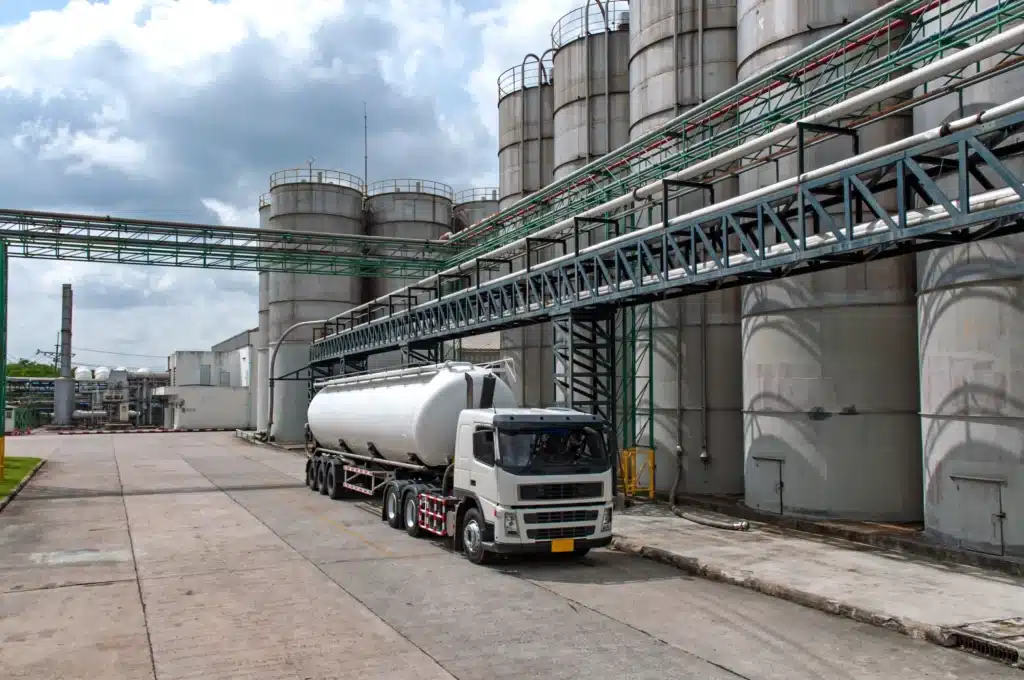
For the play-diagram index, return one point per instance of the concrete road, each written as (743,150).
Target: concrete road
(197,556)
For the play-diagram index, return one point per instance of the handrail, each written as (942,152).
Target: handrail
(595,17)
(476,194)
(411,186)
(312,175)
(520,77)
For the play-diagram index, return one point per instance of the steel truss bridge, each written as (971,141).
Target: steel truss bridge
(597,296)
(752,124)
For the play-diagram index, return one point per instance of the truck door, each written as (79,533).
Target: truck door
(481,469)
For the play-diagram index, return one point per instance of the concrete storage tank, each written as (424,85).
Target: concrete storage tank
(472,206)
(262,390)
(971,319)
(83,373)
(688,385)
(404,208)
(591,93)
(829,359)
(306,199)
(525,128)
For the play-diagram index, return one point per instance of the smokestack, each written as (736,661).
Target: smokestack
(64,386)
(65,331)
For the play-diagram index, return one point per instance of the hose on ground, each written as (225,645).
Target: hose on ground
(740,525)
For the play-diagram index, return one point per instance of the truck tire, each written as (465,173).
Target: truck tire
(393,507)
(473,537)
(410,514)
(334,488)
(311,473)
(321,477)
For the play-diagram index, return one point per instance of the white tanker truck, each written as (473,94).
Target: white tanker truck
(454,457)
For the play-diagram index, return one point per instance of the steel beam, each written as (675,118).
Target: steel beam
(749,238)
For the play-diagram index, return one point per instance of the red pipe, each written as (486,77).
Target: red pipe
(803,70)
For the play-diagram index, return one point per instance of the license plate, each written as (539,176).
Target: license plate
(563,545)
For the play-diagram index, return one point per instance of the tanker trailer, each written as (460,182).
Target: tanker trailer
(453,456)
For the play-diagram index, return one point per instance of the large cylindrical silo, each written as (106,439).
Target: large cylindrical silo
(591,91)
(526,164)
(261,390)
(688,389)
(970,321)
(325,201)
(473,205)
(829,358)
(404,208)
(525,129)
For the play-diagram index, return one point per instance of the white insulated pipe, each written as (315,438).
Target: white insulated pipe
(987,48)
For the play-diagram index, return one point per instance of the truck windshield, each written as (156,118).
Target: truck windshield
(552,451)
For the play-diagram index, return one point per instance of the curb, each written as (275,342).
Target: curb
(692,565)
(21,485)
(148,431)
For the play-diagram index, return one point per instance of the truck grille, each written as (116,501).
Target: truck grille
(559,516)
(560,492)
(558,532)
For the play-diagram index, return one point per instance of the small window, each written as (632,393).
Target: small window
(483,446)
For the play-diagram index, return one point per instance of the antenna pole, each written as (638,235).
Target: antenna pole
(366,151)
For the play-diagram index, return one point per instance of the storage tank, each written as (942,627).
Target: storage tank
(263,331)
(473,205)
(408,415)
(829,366)
(142,371)
(525,128)
(101,373)
(970,321)
(591,94)
(404,208)
(688,386)
(307,199)
(83,373)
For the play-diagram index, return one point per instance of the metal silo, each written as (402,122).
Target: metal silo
(525,128)
(688,384)
(526,162)
(261,390)
(829,359)
(970,322)
(307,199)
(591,92)
(473,205)
(404,208)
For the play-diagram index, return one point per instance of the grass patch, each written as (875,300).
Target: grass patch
(16,469)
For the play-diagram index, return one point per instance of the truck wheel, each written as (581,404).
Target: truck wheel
(311,473)
(393,507)
(334,488)
(321,477)
(411,515)
(473,537)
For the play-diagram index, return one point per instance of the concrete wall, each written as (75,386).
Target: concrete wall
(207,407)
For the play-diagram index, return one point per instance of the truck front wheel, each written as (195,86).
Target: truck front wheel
(473,537)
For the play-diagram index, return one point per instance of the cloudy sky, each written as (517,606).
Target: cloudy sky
(180,110)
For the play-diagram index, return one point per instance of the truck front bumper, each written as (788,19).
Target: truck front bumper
(540,547)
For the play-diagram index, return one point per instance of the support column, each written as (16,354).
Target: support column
(584,351)
(3,352)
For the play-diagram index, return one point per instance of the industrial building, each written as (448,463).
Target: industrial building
(884,391)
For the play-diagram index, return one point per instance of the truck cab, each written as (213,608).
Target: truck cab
(530,480)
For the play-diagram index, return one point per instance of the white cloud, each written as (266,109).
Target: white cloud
(180,109)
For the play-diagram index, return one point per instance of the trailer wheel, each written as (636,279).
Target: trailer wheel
(411,514)
(334,488)
(393,507)
(311,473)
(473,537)
(321,477)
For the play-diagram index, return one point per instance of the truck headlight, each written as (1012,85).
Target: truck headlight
(606,523)
(511,523)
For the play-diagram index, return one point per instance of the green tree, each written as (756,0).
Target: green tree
(23,368)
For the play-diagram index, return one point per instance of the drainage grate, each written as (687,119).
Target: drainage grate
(1000,639)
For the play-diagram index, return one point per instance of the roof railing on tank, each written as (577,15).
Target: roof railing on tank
(596,16)
(412,186)
(315,176)
(525,75)
(476,194)
(264,200)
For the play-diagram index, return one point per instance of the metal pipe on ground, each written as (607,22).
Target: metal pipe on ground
(741,525)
